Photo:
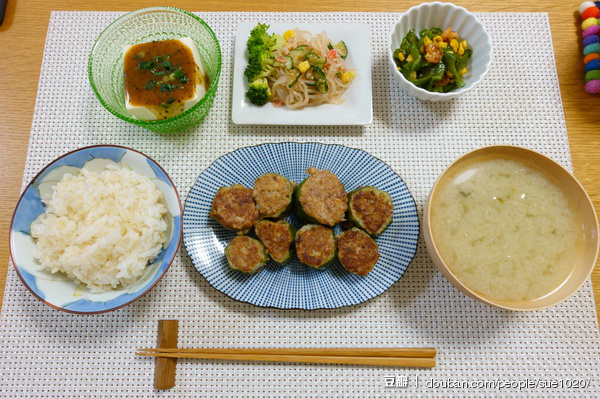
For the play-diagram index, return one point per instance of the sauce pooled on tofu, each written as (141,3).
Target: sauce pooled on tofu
(161,76)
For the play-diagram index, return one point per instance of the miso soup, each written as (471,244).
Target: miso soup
(505,229)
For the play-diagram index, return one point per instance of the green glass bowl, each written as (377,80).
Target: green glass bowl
(105,65)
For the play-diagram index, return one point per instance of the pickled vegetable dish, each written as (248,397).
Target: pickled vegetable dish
(435,60)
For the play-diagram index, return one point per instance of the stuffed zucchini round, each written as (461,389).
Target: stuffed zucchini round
(357,251)
(246,254)
(234,208)
(277,237)
(315,246)
(370,209)
(321,198)
(273,195)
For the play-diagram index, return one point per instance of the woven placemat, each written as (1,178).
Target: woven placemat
(481,350)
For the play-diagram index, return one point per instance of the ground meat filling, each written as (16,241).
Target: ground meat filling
(234,208)
(315,246)
(323,197)
(373,208)
(357,252)
(276,237)
(273,194)
(245,254)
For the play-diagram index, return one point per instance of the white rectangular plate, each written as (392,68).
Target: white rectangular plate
(357,108)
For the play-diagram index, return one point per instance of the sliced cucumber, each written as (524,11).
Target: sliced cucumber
(300,52)
(322,86)
(314,59)
(287,64)
(341,48)
(293,76)
(315,74)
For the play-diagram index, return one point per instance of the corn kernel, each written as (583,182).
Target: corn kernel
(345,77)
(449,74)
(463,71)
(352,73)
(426,41)
(422,50)
(454,44)
(438,40)
(401,56)
(443,44)
(461,51)
(463,44)
(303,67)
(289,34)
(409,58)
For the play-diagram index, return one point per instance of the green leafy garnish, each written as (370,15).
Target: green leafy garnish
(149,65)
(164,87)
(167,104)
(180,76)
(150,85)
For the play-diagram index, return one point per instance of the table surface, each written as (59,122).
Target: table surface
(23,34)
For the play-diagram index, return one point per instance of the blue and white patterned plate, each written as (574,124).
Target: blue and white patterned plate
(296,286)
(59,291)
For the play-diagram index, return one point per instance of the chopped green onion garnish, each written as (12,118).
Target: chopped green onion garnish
(150,85)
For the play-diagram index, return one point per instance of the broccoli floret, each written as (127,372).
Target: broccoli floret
(278,42)
(258,92)
(260,64)
(260,47)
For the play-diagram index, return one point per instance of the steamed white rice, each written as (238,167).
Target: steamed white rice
(101,229)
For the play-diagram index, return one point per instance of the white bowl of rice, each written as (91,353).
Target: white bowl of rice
(96,229)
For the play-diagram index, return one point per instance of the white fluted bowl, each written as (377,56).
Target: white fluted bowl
(443,15)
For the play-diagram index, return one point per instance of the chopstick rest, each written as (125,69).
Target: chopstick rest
(165,367)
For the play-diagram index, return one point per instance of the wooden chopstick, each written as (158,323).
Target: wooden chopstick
(354,352)
(314,355)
